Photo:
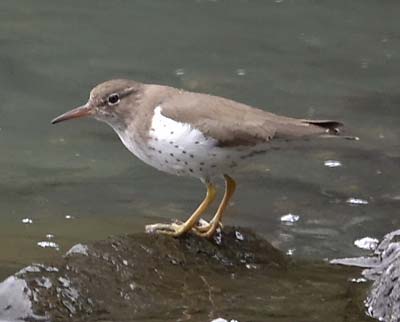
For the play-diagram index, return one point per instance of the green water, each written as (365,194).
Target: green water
(313,59)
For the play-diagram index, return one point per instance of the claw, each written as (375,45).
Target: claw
(203,226)
(195,224)
(173,229)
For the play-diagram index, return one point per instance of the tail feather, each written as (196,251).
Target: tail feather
(331,127)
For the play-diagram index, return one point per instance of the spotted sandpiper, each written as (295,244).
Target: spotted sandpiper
(192,134)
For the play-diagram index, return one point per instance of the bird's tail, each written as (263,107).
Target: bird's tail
(332,129)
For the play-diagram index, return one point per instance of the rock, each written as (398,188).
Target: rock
(153,277)
(382,267)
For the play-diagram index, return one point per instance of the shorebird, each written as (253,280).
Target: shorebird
(192,134)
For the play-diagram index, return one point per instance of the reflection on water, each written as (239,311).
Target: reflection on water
(335,60)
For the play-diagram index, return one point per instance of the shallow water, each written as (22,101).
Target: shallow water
(336,60)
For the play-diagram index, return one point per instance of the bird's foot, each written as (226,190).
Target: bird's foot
(178,228)
(166,229)
(175,229)
(203,226)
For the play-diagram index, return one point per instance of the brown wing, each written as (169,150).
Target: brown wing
(235,124)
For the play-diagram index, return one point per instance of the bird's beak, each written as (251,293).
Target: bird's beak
(80,111)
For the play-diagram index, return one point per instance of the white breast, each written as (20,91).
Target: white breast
(177,147)
(184,135)
(180,149)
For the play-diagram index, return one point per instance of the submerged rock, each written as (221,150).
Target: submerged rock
(152,277)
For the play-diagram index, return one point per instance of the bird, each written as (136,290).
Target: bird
(193,134)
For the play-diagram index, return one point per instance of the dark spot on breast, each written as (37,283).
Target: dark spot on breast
(171,142)
(178,160)
(197,142)
(166,161)
(152,129)
(186,163)
(201,169)
(159,151)
(172,132)
(213,166)
(171,154)
(176,146)
(184,152)
(191,170)
(201,163)
(192,156)
(155,139)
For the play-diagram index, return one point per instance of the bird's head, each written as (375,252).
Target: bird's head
(108,102)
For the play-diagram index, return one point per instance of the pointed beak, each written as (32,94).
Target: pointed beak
(81,111)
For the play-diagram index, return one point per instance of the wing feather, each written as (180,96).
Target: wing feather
(235,124)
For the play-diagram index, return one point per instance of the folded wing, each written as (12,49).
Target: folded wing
(234,124)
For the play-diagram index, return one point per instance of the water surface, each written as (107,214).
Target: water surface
(330,60)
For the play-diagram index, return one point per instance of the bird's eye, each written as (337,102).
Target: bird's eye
(113,99)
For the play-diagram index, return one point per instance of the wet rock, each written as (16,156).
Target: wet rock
(151,277)
(15,300)
(382,267)
(78,249)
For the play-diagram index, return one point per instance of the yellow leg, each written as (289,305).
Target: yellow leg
(180,229)
(230,186)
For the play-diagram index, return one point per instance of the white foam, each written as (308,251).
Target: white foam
(290,251)
(358,280)
(368,243)
(357,201)
(48,244)
(332,163)
(290,218)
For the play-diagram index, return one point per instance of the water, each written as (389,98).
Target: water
(336,60)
